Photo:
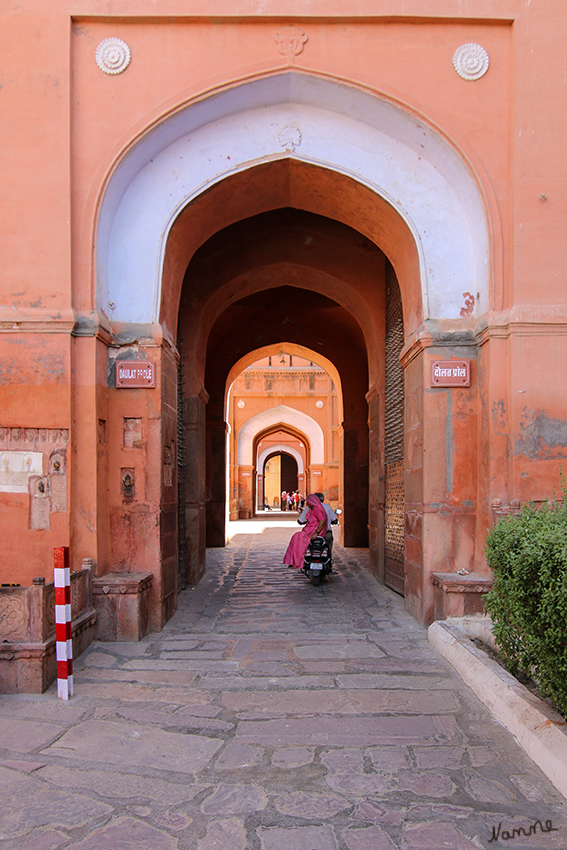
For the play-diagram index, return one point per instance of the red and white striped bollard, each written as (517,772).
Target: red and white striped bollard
(63,632)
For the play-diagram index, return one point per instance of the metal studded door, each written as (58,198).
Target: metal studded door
(394,513)
(181,468)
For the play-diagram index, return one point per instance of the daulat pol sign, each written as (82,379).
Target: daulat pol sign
(451,373)
(135,374)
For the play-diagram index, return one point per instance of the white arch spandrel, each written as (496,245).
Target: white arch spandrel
(280,415)
(315,120)
(274,449)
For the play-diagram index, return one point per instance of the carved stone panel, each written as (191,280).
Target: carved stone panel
(16,467)
(14,614)
(128,483)
(40,502)
(50,610)
(132,433)
(58,480)
(79,592)
(58,462)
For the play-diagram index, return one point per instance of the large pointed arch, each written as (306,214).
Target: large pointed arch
(316,121)
(294,146)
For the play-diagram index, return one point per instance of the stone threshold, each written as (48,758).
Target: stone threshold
(539,730)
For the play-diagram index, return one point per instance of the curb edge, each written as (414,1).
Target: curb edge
(540,731)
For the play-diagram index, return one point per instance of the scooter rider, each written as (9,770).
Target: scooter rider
(332,519)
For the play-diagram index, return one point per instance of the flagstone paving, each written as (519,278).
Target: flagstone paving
(270,715)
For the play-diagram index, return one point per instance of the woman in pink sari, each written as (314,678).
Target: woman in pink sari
(316,525)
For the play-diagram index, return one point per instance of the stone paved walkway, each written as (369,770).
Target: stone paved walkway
(269,715)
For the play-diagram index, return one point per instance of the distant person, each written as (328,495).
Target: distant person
(284,500)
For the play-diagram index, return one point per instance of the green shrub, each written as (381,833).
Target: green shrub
(528,602)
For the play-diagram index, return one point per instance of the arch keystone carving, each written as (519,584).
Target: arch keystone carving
(290,42)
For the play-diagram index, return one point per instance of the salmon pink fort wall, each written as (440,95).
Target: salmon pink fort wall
(381,181)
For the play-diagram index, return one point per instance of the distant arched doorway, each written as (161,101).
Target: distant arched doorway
(279,475)
(282,400)
(285,453)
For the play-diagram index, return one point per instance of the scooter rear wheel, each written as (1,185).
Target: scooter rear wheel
(316,580)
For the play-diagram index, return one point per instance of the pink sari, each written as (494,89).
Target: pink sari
(300,541)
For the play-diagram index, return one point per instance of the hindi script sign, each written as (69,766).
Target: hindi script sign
(451,373)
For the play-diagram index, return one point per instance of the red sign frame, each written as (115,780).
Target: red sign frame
(135,374)
(451,373)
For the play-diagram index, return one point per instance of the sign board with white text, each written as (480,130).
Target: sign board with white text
(135,374)
(451,373)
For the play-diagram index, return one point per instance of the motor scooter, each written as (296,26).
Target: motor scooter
(318,562)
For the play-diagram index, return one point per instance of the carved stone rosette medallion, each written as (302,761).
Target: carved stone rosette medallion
(113,56)
(290,42)
(470,61)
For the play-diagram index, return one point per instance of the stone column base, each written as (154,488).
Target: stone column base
(30,668)
(122,601)
(459,596)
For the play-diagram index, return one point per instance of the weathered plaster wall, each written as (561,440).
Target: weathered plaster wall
(66,131)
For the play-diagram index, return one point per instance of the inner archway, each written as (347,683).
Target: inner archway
(283,403)
(270,279)
(281,464)
(300,314)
